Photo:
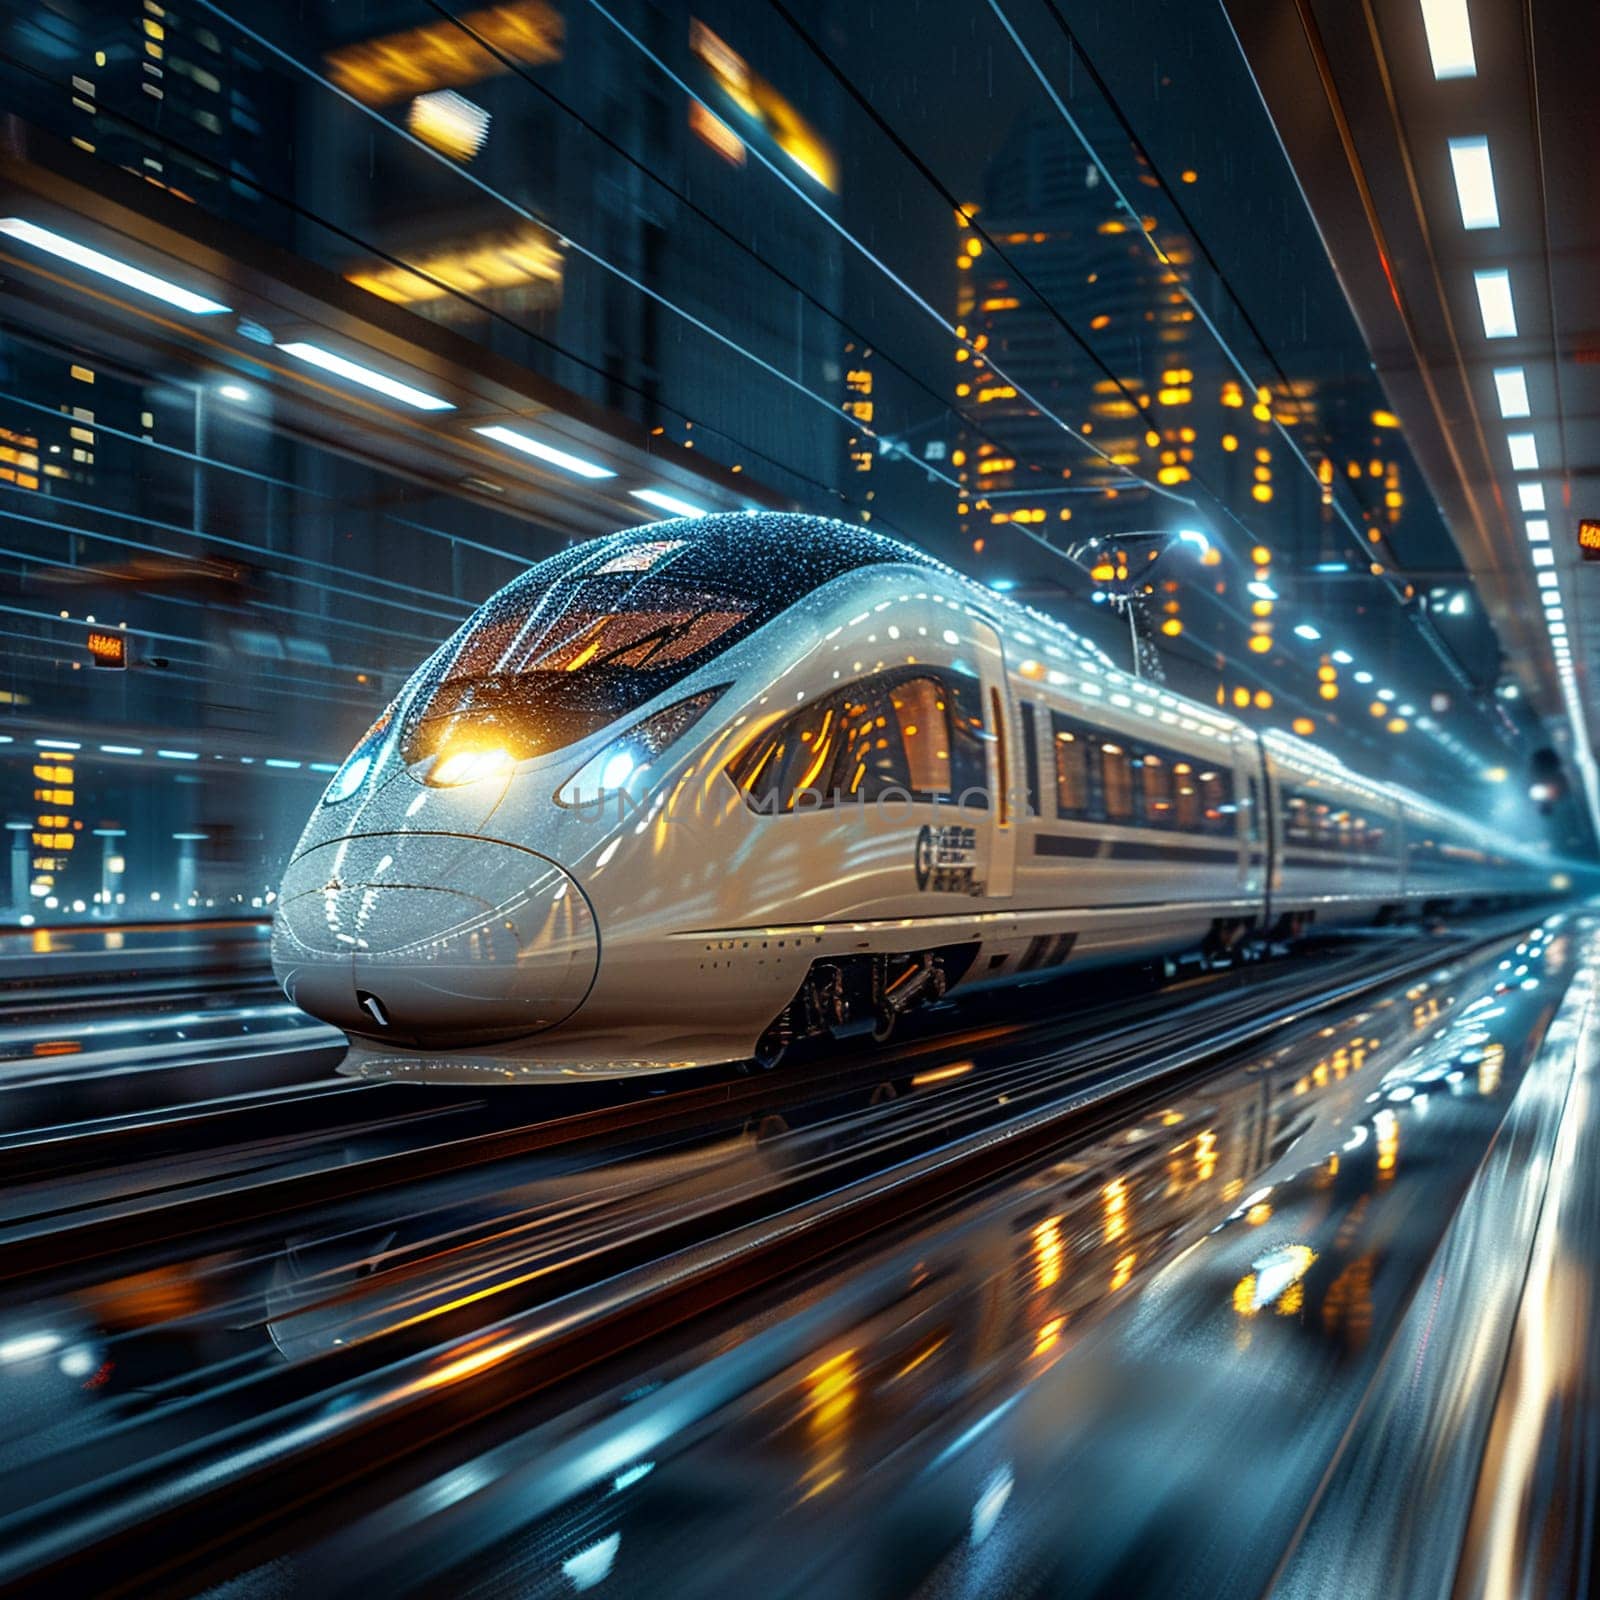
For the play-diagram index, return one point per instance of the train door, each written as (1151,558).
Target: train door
(1253,875)
(1001,737)
(1265,840)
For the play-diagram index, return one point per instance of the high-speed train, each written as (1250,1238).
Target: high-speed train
(686,793)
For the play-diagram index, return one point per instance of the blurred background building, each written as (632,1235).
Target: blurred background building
(741,246)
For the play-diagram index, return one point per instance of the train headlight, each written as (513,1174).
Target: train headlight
(358,765)
(348,778)
(457,767)
(614,769)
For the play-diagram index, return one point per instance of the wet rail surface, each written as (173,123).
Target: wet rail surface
(420,1282)
(97,1023)
(87,1192)
(83,1187)
(42,964)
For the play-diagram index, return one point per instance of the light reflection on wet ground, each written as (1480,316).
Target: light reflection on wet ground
(1129,1373)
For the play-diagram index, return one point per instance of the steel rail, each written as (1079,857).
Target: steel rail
(69,1235)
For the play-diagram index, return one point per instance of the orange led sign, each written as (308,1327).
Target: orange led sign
(108,650)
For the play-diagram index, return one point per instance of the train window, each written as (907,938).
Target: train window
(1116,782)
(641,628)
(541,667)
(789,758)
(869,758)
(1030,757)
(888,737)
(1155,786)
(923,726)
(1309,821)
(1072,768)
(1186,795)
(1215,802)
(1302,820)
(969,767)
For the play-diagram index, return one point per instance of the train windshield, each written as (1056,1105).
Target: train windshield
(542,667)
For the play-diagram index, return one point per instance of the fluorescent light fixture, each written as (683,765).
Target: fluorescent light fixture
(1511,388)
(1195,537)
(1304,630)
(48,743)
(452,124)
(278,761)
(233,391)
(1558,630)
(122,749)
(1543,556)
(1474,175)
(80,255)
(1261,590)
(1363,677)
(1545,580)
(1538,531)
(1531,496)
(178,755)
(1550,599)
(545,452)
(1343,657)
(1524,452)
(1449,38)
(365,376)
(667,502)
(1494,302)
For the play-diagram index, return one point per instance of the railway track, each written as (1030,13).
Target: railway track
(386,1395)
(197,1169)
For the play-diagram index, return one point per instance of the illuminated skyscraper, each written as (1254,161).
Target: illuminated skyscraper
(1096,388)
(1072,269)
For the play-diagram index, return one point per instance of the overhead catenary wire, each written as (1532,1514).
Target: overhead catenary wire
(298,614)
(917,299)
(1391,579)
(972,423)
(211,539)
(216,464)
(992,245)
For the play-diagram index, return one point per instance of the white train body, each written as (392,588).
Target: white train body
(677,795)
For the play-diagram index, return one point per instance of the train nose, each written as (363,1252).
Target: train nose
(433,941)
